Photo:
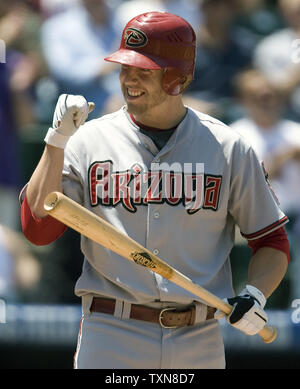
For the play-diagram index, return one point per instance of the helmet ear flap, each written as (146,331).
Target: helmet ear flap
(174,82)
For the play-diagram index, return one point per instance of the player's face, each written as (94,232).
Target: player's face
(142,90)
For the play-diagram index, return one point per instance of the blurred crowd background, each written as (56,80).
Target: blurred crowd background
(247,75)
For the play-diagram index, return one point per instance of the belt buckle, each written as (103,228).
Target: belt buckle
(160,317)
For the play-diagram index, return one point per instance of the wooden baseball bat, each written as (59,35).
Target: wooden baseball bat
(99,230)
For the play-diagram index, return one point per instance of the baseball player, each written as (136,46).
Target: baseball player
(173,179)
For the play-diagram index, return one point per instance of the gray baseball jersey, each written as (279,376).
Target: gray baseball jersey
(181,203)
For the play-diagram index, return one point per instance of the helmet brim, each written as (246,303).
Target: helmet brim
(136,59)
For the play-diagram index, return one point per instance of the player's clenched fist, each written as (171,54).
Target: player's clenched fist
(70,113)
(248,314)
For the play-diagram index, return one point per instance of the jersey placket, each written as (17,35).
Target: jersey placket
(155,231)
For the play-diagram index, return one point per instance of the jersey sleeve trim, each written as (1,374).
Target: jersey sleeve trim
(272,227)
(22,194)
(277,239)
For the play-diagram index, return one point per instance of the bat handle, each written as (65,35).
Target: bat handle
(268,334)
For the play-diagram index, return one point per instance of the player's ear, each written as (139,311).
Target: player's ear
(174,82)
(171,81)
(183,80)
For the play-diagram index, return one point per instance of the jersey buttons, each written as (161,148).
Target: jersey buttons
(155,251)
(156,215)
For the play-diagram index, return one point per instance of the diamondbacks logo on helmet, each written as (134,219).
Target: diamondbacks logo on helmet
(135,38)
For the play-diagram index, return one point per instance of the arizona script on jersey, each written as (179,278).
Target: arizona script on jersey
(138,186)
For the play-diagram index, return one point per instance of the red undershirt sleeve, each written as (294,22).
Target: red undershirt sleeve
(276,239)
(40,231)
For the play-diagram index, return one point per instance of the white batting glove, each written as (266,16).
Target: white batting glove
(248,314)
(70,113)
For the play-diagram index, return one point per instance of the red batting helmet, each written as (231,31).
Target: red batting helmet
(160,40)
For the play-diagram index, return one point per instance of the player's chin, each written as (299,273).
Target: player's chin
(134,108)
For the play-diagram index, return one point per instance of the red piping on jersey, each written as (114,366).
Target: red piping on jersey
(78,344)
(276,239)
(266,230)
(40,231)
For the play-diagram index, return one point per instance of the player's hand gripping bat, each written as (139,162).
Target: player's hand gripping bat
(94,227)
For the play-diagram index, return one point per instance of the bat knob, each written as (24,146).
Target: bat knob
(271,335)
(50,201)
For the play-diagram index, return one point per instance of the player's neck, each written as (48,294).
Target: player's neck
(162,118)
